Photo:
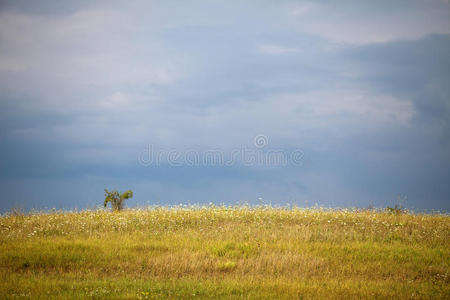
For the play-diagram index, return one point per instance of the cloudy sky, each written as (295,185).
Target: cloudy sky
(360,90)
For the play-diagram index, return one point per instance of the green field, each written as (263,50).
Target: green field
(225,252)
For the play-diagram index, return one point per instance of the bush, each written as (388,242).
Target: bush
(398,208)
(117,200)
(395,210)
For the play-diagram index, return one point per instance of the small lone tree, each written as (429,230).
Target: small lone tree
(116,199)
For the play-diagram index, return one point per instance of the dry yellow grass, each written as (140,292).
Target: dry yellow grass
(225,252)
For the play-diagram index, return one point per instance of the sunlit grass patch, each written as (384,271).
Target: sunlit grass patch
(234,250)
(225,252)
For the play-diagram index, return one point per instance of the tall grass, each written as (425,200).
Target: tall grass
(225,252)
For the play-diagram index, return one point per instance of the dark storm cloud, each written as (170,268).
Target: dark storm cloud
(362,88)
(419,70)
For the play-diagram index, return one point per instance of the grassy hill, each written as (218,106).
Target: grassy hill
(225,252)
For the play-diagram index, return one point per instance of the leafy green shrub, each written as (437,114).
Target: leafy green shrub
(117,200)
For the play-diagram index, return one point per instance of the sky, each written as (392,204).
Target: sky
(328,103)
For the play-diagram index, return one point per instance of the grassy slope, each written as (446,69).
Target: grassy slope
(220,252)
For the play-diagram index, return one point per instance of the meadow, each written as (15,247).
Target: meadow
(218,252)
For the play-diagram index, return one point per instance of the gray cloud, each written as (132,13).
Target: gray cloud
(84,88)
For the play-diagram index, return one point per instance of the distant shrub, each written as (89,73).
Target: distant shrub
(117,200)
(397,209)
